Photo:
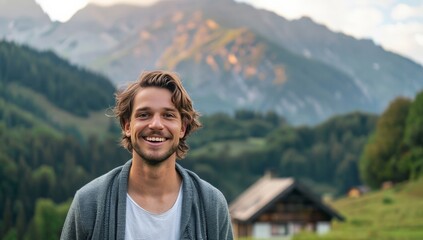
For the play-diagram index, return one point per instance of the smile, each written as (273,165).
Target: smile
(155,139)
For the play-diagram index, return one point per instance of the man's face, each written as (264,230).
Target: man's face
(155,126)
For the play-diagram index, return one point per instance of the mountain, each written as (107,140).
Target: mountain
(231,55)
(16,9)
(39,90)
(21,20)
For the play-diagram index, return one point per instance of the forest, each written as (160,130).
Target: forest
(44,160)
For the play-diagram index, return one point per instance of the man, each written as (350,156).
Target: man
(151,196)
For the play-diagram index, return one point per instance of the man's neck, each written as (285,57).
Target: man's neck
(154,188)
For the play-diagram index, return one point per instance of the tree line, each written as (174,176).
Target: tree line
(325,156)
(394,151)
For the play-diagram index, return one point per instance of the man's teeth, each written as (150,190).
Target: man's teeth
(155,139)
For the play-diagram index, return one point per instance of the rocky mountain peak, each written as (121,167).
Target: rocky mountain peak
(22,9)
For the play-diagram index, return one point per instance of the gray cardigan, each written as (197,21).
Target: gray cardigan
(98,209)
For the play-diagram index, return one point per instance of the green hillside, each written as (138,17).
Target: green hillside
(395,214)
(68,87)
(39,90)
(95,123)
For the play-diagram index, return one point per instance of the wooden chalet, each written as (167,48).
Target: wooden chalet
(278,208)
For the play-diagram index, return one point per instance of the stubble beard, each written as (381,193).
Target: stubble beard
(152,160)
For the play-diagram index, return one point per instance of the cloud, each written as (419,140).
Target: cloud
(403,38)
(61,10)
(403,11)
(419,38)
(362,22)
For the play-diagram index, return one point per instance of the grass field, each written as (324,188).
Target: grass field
(393,214)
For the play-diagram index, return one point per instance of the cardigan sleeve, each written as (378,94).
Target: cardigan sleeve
(225,228)
(93,213)
(218,220)
(223,220)
(73,228)
(213,204)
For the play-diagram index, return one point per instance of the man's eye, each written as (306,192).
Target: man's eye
(169,115)
(142,115)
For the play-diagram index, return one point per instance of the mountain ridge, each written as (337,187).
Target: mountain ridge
(135,38)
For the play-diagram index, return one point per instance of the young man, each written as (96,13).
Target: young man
(151,196)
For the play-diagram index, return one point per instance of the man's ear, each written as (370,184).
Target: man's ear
(183,129)
(127,129)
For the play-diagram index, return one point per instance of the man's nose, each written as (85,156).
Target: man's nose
(156,122)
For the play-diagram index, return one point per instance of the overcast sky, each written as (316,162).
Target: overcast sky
(394,24)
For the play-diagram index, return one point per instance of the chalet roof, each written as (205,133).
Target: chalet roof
(265,192)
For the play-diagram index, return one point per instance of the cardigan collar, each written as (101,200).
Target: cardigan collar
(189,192)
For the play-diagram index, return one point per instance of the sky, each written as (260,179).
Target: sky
(394,24)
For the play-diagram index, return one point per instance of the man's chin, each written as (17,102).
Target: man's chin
(154,158)
(154,162)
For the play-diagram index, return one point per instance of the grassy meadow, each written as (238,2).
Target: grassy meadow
(391,214)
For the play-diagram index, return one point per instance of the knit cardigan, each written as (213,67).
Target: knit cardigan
(98,210)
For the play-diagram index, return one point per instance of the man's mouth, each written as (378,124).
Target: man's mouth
(155,139)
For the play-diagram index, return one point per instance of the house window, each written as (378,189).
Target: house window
(261,230)
(279,230)
(322,227)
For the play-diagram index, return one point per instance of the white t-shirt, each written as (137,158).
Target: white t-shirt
(143,225)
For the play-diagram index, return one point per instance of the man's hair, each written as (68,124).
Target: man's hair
(180,98)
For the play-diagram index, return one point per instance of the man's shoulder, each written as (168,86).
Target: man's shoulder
(99,186)
(212,202)
(205,189)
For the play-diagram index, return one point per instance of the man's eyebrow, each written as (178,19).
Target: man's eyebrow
(142,109)
(171,109)
(167,109)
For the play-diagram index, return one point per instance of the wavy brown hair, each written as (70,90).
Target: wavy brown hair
(180,98)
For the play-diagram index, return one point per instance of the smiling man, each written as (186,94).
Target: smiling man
(151,196)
